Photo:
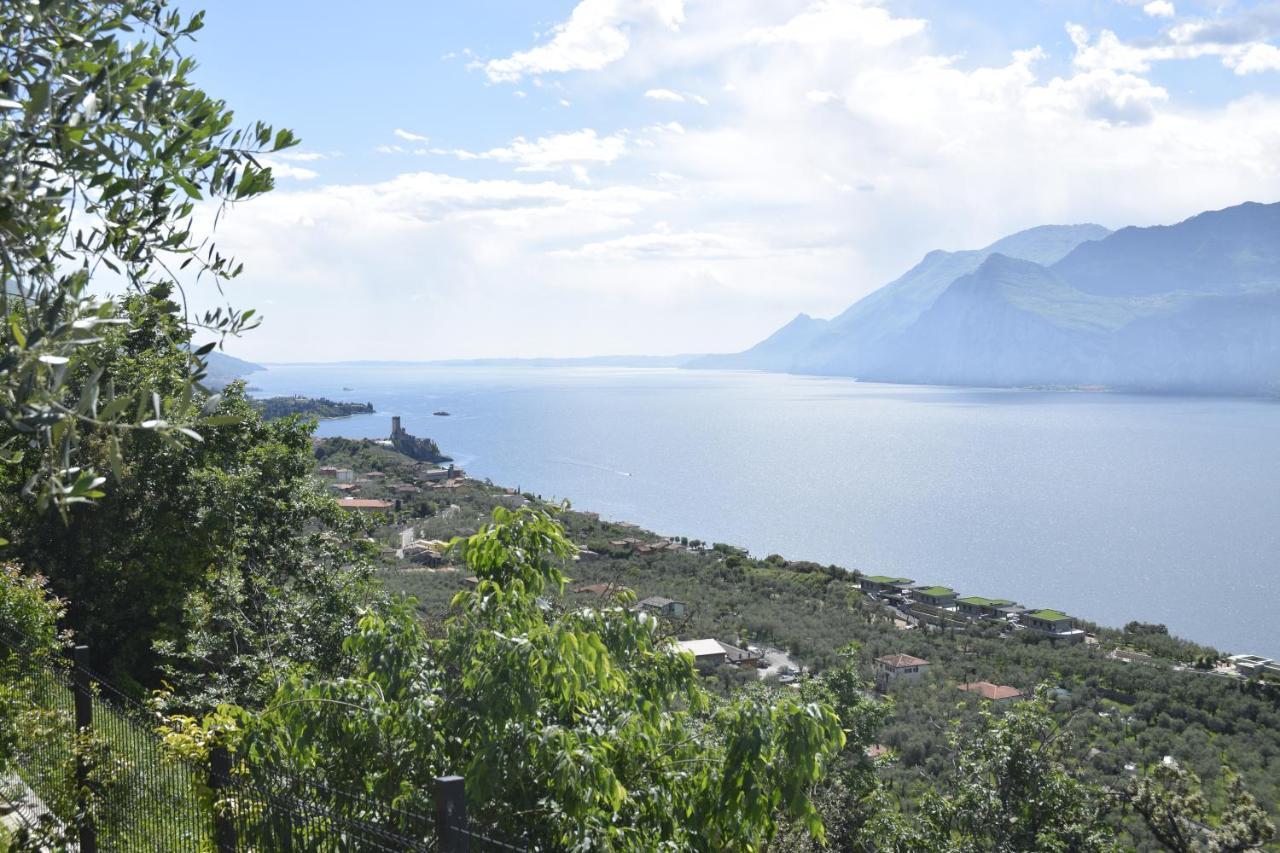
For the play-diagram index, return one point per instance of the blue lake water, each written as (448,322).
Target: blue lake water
(1111,507)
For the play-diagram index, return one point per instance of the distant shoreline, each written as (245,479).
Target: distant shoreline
(667,362)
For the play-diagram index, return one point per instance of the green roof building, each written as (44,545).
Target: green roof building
(883,583)
(980,607)
(935,596)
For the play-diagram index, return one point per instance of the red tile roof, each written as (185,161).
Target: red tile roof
(994,692)
(363,503)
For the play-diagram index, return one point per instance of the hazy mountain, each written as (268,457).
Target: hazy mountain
(1193,306)
(1223,251)
(776,352)
(223,369)
(806,345)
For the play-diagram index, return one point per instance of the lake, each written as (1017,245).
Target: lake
(1110,507)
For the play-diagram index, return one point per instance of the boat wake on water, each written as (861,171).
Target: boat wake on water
(592,465)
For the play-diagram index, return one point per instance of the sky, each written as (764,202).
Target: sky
(538,178)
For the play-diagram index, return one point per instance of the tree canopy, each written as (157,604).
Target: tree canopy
(111,158)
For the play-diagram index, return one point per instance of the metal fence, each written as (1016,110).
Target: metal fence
(90,755)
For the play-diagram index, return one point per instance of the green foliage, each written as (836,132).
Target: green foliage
(1009,791)
(222,555)
(1172,804)
(105,147)
(273,408)
(585,728)
(29,638)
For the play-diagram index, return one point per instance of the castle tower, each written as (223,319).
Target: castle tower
(395,425)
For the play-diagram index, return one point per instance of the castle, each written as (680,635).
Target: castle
(422,449)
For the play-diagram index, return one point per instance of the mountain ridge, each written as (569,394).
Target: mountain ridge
(1193,306)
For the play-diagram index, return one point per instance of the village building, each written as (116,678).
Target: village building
(892,669)
(999,694)
(434,475)
(1255,666)
(1053,624)
(714,653)
(935,596)
(978,607)
(327,471)
(883,584)
(662,606)
(366,505)
(427,552)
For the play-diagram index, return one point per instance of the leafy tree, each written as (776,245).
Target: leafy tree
(1010,791)
(105,149)
(29,637)
(1172,804)
(222,554)
(586,727)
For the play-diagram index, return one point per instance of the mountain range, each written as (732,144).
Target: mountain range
(1188,307)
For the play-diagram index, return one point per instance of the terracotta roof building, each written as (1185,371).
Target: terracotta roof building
(365,504)
(998,693)
(891,669)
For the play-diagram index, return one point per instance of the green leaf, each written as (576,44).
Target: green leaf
(188,187)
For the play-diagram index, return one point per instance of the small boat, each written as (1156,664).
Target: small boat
(441,414)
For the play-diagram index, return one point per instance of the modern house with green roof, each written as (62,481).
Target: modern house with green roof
(881,584)
(935,596)
(978,607)
(1053,624)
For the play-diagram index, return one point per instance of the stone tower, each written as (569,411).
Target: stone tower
(395,426)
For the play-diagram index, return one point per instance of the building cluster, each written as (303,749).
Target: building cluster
(940,605)
(348,484)
(901,668)
(639,546)
(1255,666)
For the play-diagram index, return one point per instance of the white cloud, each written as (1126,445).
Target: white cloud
(1110,96)
(1189,40)
(549,153)
(1254,59)
(820,96)
(285,170)
(410,136)
(300,156)
(663,245)
(1160,9)
(840,21)
(665,95)
(594,36)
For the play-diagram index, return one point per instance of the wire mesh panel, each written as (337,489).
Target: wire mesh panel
(92,756)
(44,731)
(144,797)
(276,811)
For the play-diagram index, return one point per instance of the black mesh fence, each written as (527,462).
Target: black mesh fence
(270,810)
(90,757)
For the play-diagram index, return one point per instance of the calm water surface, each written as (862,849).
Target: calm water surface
(1110,507)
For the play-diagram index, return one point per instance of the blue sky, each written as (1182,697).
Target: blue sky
(604,176)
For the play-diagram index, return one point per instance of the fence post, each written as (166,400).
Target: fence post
(224,827)
(84,724)
(451,815)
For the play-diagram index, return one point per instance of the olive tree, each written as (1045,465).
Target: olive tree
(109,156)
